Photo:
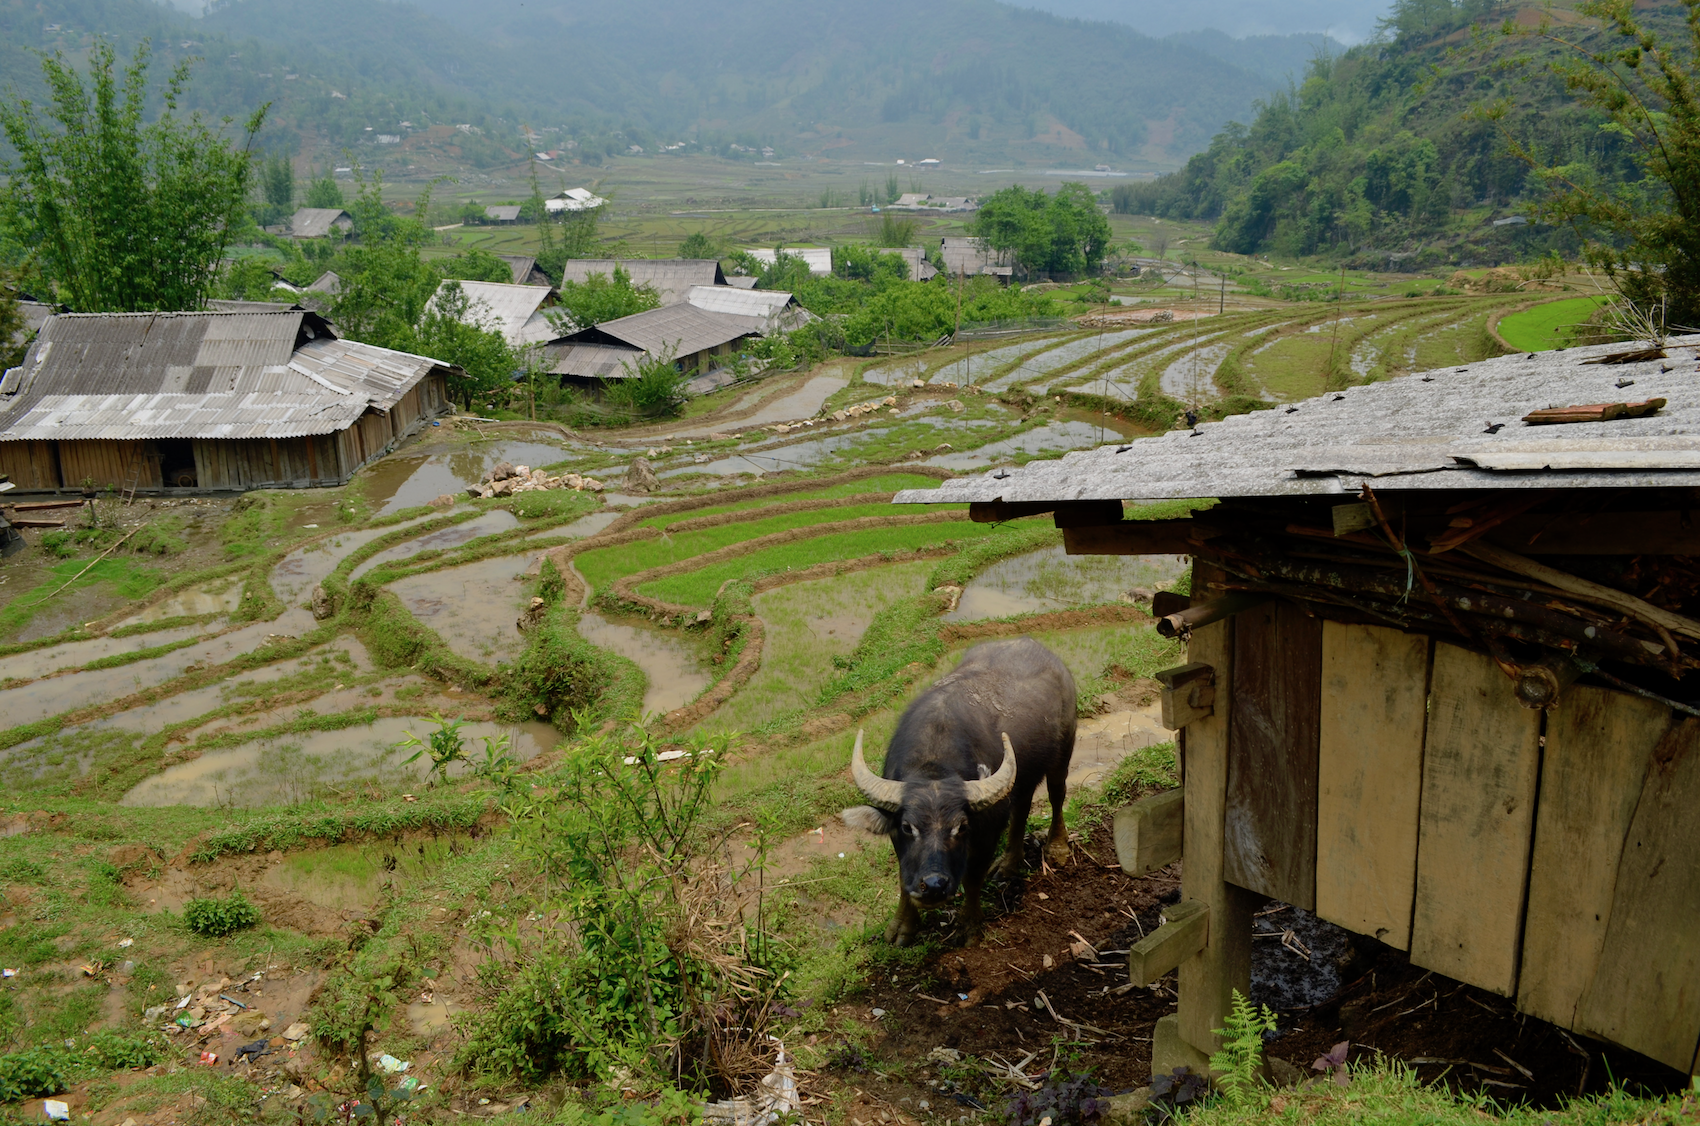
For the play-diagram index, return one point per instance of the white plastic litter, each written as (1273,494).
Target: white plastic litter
(776,1097)
(56,1110)
(392,1065)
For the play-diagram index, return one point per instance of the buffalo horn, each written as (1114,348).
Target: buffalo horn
(983,792)
(882,793)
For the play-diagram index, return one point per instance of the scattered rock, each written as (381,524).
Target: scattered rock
(952,594)
(476,491)
(501,471)
(532,615)
(1284,1074)
(445,500)
(840,415)
(323,606)
(1162,316)
(956,405)
(503,487)
(296,1031)
(640,477)
(943,448)
(1128,1109)
(1138,596)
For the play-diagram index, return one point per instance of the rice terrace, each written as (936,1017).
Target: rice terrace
(434,687)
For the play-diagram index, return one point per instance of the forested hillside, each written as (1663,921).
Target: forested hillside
(1380,157)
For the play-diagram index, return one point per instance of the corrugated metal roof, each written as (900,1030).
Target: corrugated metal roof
(744,302)
(316,222)
(1414,432)
(819,258)
(512,310)
(684,329)
(919,268)
(593,361)
(671,277)
(525,269)
(503,212)
(972,256)
(270,374)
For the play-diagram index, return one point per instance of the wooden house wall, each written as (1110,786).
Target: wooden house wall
(1411,797)
(251,463)
(31,465)
(104,464)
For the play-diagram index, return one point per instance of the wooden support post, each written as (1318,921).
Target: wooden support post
(1185,928)
(1148,832)
(1189,693)
(1208,978)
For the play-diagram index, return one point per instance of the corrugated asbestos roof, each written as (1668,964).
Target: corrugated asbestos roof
(316,222)
(525,269)
(278,374)
(1415,432)
(594,361)
(744,302)
(512,310)
(684,329)
(503,212)
(671,277)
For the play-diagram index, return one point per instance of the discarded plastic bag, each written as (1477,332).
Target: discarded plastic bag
(56,1110)
(392,1065)
(776,1097)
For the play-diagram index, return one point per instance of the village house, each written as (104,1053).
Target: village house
(708,326)
(320,222)
(672,278)
(1438,633)
(573,199)
(971,257)
(502,214)
(818,258)
(516,311)
(258,398)
(526,270)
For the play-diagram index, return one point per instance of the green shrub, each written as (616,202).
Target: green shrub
(33,1072)
(216,918)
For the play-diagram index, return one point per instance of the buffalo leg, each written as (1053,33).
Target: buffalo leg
(1056,783)
(1014,849)
(973,883)
(902,930)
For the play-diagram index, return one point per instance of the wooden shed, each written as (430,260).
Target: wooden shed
(218,400)
(1442,645)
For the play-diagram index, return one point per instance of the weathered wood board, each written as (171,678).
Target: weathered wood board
(1370,772)
(1208,978)
(1480,763)
(1646,991)
(1598,745)
(1269,830)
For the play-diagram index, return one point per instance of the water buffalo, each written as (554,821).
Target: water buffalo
(962,766)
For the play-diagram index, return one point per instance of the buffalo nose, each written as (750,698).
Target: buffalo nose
(936,883)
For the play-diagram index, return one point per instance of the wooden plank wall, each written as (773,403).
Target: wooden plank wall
(1269,826)
(1374,713)
(253,463)
(106,463)
(31,465)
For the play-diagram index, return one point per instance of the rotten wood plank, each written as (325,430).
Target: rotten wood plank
(1131,537)
(1208,978)
(1269,839)
(1184,931)
(1148,833)
(1370,774)
(1598,745)
(1645,993)
(1480,763)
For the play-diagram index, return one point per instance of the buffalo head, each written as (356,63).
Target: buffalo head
(930,820)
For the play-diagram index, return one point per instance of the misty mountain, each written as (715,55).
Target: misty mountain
(1277,58)
(1350,21)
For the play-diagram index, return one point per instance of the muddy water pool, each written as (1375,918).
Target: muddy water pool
(298,768)
(1065,354)
(583,526)
(216,598)
(1047,580)
(674,668)
(75,690)
(1192,377)
(804,402)
(306,567)
(473,607)
(496,520)
(403,480)
(40,662)
(1057,436)
(978,366)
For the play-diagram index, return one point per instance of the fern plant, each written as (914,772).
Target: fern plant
(1241,1057)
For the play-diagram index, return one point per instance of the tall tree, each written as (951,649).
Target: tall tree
(12,342)
(1064,234)
(279,182)
(116,214)
(324,191)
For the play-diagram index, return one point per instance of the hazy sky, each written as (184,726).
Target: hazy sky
(1350,21)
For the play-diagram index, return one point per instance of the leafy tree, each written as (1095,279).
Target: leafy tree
(248,278)
(278,182)
(476,264)
(324,191)
(452,329)
(891,188)
(654,386)
(1643,230)
(698,245)
(600,298)
(895,232)
(116,214)
(12,342)
(1062,234)
(867,263)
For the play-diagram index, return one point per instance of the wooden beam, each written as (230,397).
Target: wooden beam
(1148,832)
(1185,929)
(34,522)
(1166,602)
(1069,513)
(37,506)
(1189,694)
(1606,533)
(1131,537)
(1184,621)
(1088,513)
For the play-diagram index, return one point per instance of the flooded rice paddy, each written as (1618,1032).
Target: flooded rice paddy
(404,480)
(291,769)
(471,607)
(496,520)
(674,668)
(804,402)
(1042,581)
(293,579)
(72,654)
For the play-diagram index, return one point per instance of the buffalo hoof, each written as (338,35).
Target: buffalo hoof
(1058,852)
(898,935)
(1009,866)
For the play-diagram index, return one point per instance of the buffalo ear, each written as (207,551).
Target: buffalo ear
(869,820)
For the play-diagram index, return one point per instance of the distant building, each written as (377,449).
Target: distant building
(319,222)
(923,201)
(971,256)
(516,311)
(696,337)
(920,269)
(264,397)
(819,258)
(503,213)
(671,277)
(526,270)
(573,199)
